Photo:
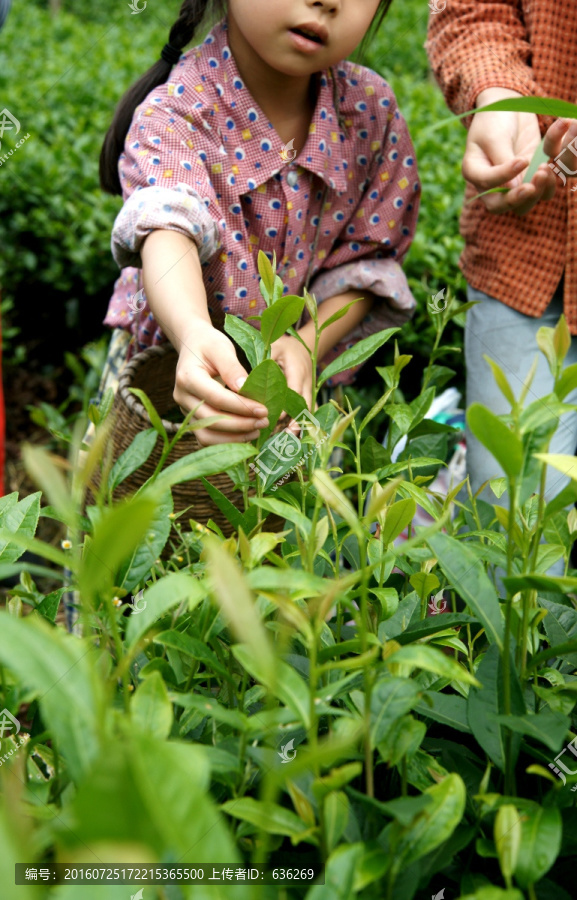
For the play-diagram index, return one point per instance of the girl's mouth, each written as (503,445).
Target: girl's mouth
(309,35)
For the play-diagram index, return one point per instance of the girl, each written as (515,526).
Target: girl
(255,141)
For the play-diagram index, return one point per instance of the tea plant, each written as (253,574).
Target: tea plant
(287,695)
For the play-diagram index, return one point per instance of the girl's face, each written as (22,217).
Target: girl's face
(272,29)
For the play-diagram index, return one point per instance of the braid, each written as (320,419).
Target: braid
(192,13)
(190,16)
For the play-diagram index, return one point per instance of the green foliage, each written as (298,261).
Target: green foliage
(61,78)
(288,692)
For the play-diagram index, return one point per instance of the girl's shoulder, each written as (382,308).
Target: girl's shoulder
(189,95)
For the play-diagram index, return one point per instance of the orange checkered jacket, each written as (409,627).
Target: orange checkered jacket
(529,46)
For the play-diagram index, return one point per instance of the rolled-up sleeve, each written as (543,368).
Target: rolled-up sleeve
(478,44)
(175,209)
(165,185)
(374,242)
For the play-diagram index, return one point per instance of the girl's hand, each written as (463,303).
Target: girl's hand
(205,355)
(296,365)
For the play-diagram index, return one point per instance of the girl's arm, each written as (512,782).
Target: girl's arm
(172,276)
(338,330)
(294,359)
(173,283)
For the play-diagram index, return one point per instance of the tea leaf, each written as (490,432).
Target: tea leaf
(438,820)
(339,314)
(17,517)
(566,382)
(508,839)
(288,512)
(391,699)
(246,336)
(150,708)
(398,516)
(448,709)
(206,461)
(133,457)
(135,569)
(117,535)
(431,659)
(233,596)
(357,354)
(266,816)
(335,499)
(284,682)
(279,317)
(209,707)
(468,576)
(267,385)
(485,705)
(155,419)
(541,833)
(163,595)
(499,440)
(266,271)
(336,810)
(547,727)
(60,670)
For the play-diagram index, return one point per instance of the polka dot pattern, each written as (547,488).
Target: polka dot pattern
(205,161)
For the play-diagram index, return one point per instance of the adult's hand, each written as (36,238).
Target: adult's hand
(500,146)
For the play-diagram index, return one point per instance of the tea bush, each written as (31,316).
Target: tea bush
(61,78)
(400,711)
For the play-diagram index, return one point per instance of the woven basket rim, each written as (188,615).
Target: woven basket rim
(126,381)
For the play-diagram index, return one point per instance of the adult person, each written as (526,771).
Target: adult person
(520,257)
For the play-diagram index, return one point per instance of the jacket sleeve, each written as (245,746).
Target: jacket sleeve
(165,183)
(478,44)
(376,238)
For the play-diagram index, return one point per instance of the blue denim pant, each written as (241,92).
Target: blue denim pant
(509,338)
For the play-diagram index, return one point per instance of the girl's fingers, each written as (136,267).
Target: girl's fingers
(207,437)
(196,382)
(228,423)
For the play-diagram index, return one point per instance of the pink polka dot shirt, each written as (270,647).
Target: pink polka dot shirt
(201,158)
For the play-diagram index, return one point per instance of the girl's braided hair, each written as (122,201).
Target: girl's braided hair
(192,14)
